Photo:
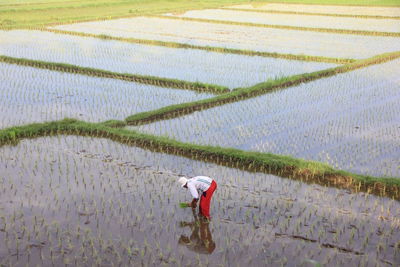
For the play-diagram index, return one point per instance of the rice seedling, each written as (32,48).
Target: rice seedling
(265,11)
(33,95)
(90,193)
(329,24)
(188,64)
(333,10)
(256,90)
(348,111)
(239,37)
(78,237)
(184,205)
(150,80)
(206,48)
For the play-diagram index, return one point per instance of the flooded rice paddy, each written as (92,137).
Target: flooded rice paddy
(241,37)
(324,9)
(379,25)
(350,121)
(86,201)
(122,57)
(30,95)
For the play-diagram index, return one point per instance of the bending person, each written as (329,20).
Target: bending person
(202,187)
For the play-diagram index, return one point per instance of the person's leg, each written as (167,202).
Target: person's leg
(205,200)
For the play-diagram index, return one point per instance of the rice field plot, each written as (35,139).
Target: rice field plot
(30,95)
(326,22)
(183,64)
(90,201)
(240,37)
(324,9)
(350,121)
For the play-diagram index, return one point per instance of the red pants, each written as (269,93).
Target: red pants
(205,200)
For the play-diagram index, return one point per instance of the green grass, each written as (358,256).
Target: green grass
(285,27)
(35,13)
(284,166)
(151,80)
(238,94)
(57,12)
(209,48)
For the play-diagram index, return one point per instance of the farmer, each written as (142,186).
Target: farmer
(200,186)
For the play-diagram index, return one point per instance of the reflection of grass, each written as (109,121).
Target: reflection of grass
(285,27)
(307,171)
(145,79)
(209,48)
(239,94)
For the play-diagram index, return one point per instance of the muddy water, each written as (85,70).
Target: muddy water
(30,95)
(183,64)
(379,25)
(84,201)
(242,37)
(350,121)
(325,9)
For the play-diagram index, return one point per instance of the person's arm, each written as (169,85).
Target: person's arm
(194,193)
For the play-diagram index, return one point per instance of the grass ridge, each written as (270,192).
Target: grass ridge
(288,167)
(284,27)
(205,48)
(144,79)
(238,94)
(313,13)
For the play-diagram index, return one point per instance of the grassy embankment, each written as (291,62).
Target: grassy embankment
(31,13)
(208,48)
(284,27)
(307,171)
(312,14)
(151,80)
(238,94)
(28,14)
(269,163)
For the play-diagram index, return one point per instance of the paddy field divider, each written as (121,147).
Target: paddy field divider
(285,27)
(225,50)
(312,13)
(240,94)
(150,80)
(284,166)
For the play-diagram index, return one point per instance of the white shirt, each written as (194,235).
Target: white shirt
(198,183)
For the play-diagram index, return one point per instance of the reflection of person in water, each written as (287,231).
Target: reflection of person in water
(200,240)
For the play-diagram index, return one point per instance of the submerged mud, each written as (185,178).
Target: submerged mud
(85,201)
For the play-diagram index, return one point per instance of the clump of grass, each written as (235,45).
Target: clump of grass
(285,27)
(284,166)
(239,94)
(207,48)
(144,79)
